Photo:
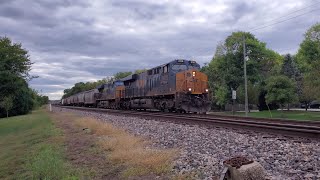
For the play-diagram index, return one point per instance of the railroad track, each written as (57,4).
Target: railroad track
(305,129)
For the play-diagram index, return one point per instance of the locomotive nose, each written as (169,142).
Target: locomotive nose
(196,82)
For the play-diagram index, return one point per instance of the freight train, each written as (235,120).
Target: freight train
(176,86)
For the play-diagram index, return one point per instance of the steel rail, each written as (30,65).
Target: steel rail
(307,129)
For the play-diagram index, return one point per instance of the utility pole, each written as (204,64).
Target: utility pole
(245,77)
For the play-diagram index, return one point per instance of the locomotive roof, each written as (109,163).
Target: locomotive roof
(133,77)
(173,61)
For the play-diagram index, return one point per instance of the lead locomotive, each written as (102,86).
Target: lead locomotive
(176,86)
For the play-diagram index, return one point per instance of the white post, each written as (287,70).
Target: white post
(50,108)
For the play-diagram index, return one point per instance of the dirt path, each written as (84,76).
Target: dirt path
(82,151)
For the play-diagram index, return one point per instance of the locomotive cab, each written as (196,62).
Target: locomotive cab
(110,94)
(192,94)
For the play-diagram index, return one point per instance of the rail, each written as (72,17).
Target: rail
(303,129)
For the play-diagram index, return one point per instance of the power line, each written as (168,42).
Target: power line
(278,22)
(293,12)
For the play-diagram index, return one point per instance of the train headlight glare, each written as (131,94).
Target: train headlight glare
(189,89)
(193,73)
(207,90)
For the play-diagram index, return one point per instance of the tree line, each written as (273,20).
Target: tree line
(274,80)
(16,97)
(81,86)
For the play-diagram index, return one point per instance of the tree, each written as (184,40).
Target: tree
(7,104)
(309,91)
(14,74)
(253,94)
(309,51)
(14,59)
(308,58)
(221,96)
(120,75)
(280,90)
(226,67)
(139,71)
(290,69)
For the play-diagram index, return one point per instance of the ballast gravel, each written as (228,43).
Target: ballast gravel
(203,149)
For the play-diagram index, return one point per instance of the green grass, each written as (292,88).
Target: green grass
(296,115)
(32,148)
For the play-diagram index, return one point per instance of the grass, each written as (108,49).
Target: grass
(132,151)
(296,115)
(32,148)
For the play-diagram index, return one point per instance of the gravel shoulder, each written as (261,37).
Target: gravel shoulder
(202,149)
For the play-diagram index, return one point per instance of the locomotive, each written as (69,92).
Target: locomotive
(176,86)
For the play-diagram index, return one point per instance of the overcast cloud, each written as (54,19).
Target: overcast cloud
(80,40)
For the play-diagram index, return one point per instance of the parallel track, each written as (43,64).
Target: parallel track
(305,129)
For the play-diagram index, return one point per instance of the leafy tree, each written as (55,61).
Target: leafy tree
(37,99)
(290,69)
(309,51)
(308,58)
(14,59)
(280,90)
(221,96)
(309,91)
(44,100)
(14,74)
(120,75)
(253,94)
(139,71)
(7,104)
(226,68)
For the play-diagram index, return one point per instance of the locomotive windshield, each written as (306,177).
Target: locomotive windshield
(118,83)
(195,66)
(179,67)
(182,65)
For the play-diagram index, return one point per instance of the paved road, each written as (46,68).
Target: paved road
(299,109)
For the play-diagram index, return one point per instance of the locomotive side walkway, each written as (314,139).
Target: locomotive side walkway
(203,148)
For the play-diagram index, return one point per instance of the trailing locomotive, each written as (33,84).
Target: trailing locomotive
(176,86)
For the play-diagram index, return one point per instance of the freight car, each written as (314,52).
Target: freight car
(176,86)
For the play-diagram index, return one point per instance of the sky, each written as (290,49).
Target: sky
(73,41)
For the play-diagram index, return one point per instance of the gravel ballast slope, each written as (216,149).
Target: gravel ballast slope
(204,149)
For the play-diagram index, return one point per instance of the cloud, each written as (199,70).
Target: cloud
(72,41)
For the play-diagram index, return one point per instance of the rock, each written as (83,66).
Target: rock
(253,170)
(87,130)
(309,175)
(204,148)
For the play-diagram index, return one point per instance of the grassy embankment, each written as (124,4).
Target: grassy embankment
(46,145)
(129,151)
(32,148)
(296,115)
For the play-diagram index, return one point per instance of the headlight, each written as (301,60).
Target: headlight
(193,73)
(207,90)
(189,89)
